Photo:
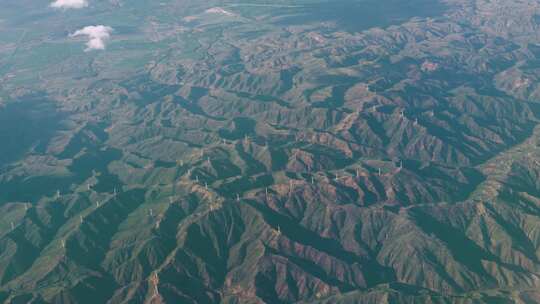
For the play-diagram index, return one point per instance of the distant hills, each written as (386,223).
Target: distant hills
(306,152)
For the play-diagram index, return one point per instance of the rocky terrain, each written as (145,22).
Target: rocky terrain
(293,152)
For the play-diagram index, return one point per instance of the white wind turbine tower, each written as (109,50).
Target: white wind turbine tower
(277,232)
(290,186)
(155,281)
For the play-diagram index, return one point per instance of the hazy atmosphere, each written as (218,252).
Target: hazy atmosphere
(257,151)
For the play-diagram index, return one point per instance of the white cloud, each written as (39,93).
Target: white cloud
(97,36)
(66,4)
(219,10)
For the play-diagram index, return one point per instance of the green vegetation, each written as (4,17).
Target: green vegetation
(271,152)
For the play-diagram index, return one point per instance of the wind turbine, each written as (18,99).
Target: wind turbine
(277,232)
(155,281)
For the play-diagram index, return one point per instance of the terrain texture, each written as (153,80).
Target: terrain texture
(271,152)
